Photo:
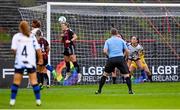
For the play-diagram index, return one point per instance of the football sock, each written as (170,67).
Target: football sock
(102,82)
(41,78)
(14,90)
(128,82)
(67,66)
(114,80)
(46,77)
(150,78)
(76,66)
(123,79)
(36,90)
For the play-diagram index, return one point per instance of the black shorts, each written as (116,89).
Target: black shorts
(118,62)
(69,50)
(29,70)
(133,59)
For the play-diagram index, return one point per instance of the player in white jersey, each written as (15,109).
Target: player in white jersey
(134,51)
(136,58)
(25,46)
(36,24)
(41,70)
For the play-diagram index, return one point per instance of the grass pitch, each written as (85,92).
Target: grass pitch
(147,96)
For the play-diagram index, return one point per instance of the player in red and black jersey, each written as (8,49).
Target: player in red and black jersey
(44,45)
(68,38)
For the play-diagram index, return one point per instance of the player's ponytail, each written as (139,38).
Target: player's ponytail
(24,28)
(137,40)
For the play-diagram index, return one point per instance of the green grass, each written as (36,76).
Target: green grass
(147,96)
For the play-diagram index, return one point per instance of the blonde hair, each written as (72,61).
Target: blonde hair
(24,28)
(66,24)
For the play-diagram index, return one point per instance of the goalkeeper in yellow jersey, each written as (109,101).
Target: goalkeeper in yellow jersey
(136,59)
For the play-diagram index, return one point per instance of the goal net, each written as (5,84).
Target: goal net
(156,25)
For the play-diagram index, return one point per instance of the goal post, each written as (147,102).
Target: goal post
(157,26)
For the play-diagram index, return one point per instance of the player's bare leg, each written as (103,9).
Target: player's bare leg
(141,67)
(139,64)
(149,74)
(129,63)
(131,69)
(45,75)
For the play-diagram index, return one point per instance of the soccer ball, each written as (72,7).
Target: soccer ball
(62,19)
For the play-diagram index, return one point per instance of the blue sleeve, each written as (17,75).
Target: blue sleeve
(106,45)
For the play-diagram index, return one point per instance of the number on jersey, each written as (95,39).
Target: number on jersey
(24,52)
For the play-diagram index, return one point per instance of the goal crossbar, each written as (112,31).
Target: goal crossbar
(116,4)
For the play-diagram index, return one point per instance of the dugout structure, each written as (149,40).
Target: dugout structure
(157,26)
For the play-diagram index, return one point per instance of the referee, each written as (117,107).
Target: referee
(114,48)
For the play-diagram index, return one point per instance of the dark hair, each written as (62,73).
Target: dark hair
(114,31)
(24,28)
(38,33)
(136,39)
(36,23)
(122,36)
